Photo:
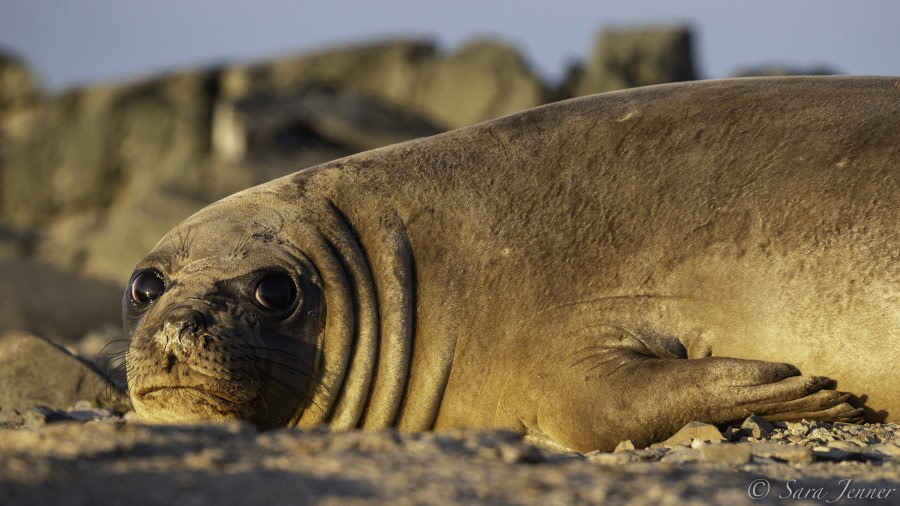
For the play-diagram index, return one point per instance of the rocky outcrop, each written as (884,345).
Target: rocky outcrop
(37,373)
(783,70)
(19,87)
(61,305)
(92,178)
(76,152)
(482,80)
(636,57)
(76,164)
(104,172)
(269,126)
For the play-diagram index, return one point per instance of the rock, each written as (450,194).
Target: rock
(800,429)
(733,434)
(519,453)
(726,453)
(66,162)
(383,70)
(11,418)
(843,445)
(36,418)
(696,444)
(104,171)
(681,455)
(73,153)
(649,454)
(828,454)
(482,80)
(780,70)
(611,459)
(693,430)
(18,85)
(624,446)
(757,427)
(104,346)
(16,243)
(35,372)
(312,118)
(45,300)
(782,453)
(40,416)
(890,449)
(820,434)
(629,58)
(623,457)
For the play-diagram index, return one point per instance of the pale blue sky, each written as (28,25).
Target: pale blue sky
(82,41)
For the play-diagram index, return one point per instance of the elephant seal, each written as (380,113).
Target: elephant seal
(594,270)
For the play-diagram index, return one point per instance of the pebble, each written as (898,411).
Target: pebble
(843,445)
(891,449)
(758,427)
(726,453)
(693,430)
(519,453)
(681,455)
(792,442)
(610,459)
(732,434)
(624,446)
(758,441)
(41,416)
(822,434)
(781,452)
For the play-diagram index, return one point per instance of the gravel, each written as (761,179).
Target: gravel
(86,455)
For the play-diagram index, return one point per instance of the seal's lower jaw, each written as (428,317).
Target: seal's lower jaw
(180,404)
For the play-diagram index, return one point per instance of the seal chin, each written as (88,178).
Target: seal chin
(187,404)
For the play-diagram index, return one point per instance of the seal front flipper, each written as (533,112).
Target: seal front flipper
(622,386)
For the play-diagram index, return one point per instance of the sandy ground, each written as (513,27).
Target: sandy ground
(113,461)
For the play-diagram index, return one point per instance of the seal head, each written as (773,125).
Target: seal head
(218,337)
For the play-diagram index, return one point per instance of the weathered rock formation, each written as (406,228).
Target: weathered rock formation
(92,178)
(18,85)
(103,172)
(37,373)
(629,58)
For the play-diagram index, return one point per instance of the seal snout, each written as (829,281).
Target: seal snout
(183,331)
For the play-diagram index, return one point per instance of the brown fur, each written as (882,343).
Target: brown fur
(599,269)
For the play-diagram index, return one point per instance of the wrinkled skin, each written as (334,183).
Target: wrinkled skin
(600,269)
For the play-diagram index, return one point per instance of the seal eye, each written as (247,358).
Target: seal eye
(275,291)
(146,287)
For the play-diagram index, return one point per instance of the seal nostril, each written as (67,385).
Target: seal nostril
(188,329)
(170,361)
(185,325)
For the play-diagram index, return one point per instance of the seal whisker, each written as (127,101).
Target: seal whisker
(285,388)
(284,366)
(241,247)
(111,360)
(304,361)
(313,381)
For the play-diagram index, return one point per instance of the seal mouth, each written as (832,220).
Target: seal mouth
(189,404)
(162,393)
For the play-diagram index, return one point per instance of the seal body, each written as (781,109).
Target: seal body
(594,270)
